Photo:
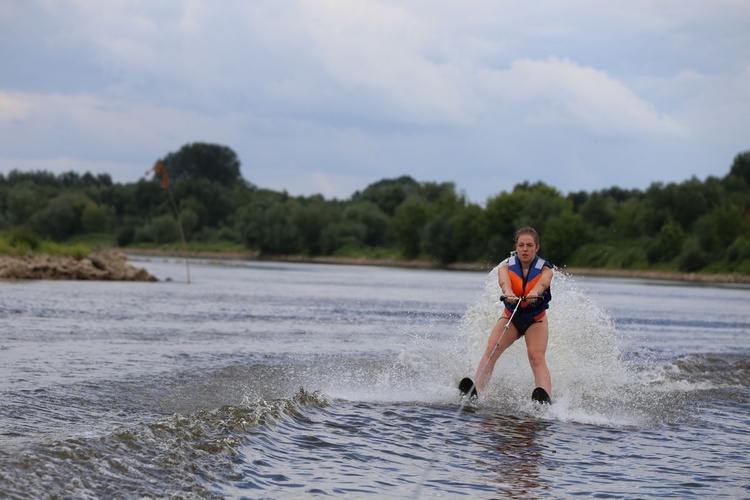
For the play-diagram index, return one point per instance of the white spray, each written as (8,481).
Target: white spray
(591,382)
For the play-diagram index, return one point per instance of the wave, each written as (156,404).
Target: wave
(711,370)
(182,455)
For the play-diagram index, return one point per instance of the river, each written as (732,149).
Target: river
(275,380)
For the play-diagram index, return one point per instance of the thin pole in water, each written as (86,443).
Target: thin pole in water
(160,169)
(182,233)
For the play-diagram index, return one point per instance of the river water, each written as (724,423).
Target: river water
(267,380)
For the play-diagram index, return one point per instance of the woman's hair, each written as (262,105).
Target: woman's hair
(527,230)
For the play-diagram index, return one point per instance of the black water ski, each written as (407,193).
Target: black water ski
(540,395)
(466,386)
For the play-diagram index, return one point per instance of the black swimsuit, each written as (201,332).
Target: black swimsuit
(522,324)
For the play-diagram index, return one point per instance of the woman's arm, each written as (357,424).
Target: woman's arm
(503,279)
(544,282)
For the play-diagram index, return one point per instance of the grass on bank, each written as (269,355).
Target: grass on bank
(21,241)
(219,246)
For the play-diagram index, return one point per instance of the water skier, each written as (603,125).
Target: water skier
(524,277)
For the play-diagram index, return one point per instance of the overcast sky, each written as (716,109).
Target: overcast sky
(324,96)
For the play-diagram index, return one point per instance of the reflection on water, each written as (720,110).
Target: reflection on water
(511,452)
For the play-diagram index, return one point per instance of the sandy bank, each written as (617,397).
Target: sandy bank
(418,264)
(103,265)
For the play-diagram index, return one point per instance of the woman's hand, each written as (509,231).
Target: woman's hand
(510,299)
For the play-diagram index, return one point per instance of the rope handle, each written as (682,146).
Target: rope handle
(503,298)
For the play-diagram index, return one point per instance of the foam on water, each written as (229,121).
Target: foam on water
(420,358)
(593,382)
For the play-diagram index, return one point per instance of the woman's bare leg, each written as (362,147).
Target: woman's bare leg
(492,353)
(536,348)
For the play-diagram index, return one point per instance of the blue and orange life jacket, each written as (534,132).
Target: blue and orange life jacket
(532,309)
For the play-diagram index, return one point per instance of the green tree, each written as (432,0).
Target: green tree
(598,211)
(438,193)
(210,200)
(542,203)
(469,233)
(160,230)
(23,201)
(438,240)
(738,255)
(729,223)
(501,213)
(345,234)
(200,160)
(408,222)
(96,218)
(563,235)
(62,217)
(267,224)
(310,218)
(146,199)
(455,231)
(190,222)
(705,235)
(629,220)
(692,258)
(527,205)
(668,243)
(684,203)
(739,172)
(378,230)
(388,194)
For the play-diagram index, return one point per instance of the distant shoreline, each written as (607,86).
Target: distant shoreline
(733,278)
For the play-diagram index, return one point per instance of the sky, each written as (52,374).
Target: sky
(329,96)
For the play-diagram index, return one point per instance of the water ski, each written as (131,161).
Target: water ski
(466,386)
(540,396)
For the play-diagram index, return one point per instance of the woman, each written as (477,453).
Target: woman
(523,277)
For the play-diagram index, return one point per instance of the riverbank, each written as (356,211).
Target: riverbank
(420,264)
(102,265)
(113,265)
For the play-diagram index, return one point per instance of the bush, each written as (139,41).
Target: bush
(666,246)
(160,230)
(340,235)
(628,258)
(24,239)
(738,255)
(126,236)
(692,258)
(591,255)
(96,218)
(78,250)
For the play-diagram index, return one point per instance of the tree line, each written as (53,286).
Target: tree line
(694,225)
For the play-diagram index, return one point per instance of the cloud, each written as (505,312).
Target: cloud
(561,92)
(714,104)
(320,95)
(378,52)
(91,127)
(12,107)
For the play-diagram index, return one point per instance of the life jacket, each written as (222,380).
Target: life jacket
(530,309)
